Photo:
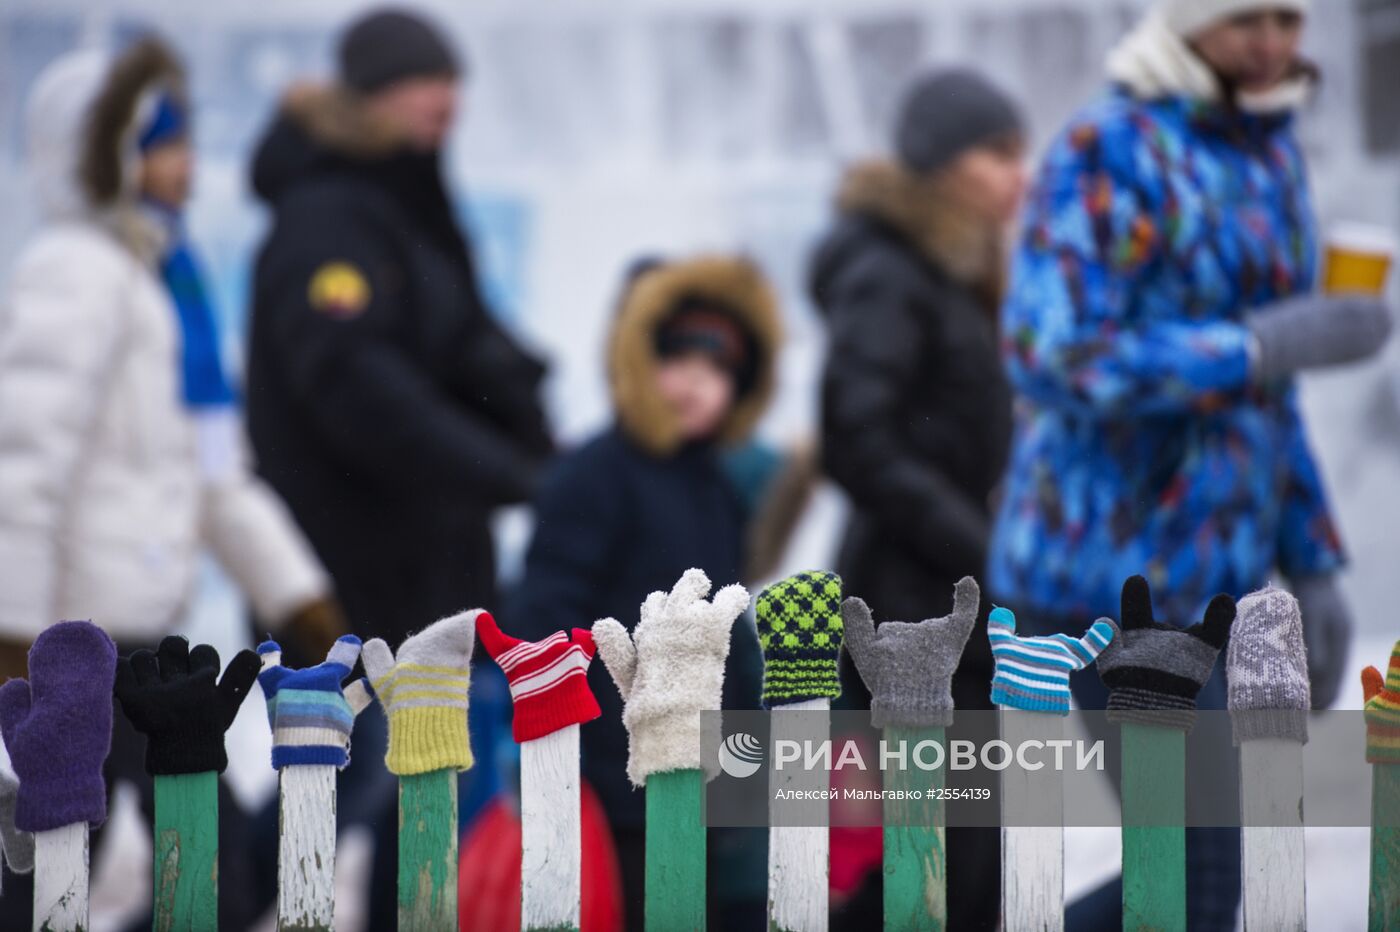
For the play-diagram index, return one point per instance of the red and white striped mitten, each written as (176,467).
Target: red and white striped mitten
(548,680)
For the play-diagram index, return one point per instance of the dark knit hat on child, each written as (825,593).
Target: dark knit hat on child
(391,44)
(947,112)
(701,325)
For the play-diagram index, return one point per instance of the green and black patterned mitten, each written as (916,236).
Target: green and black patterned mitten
(800,628)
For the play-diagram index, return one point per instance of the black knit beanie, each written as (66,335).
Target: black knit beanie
(947,112)
(702,325)
(390,44)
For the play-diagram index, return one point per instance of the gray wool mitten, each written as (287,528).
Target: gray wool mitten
(669,670)
(1267,668)
(1312,331)
(908,667)
(1154,671)
(17,845)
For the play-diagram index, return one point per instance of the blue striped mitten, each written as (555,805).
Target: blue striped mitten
(1033,673)
(311,716)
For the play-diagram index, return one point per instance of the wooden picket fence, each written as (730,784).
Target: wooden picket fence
(1154,886)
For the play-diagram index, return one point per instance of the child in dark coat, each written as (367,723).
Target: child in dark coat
(691,362)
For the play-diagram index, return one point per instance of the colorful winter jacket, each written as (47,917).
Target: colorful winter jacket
(1141,446)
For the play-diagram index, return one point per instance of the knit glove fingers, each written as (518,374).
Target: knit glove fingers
(548,679)
(1032,673)
(669,670)
(1371,683)
(1155,676)
(424,691)
(1214,631)
(941,640)
(310,713)
(174,697)
(1087,649)
(58,726)
(1383,711)
(1267,671)
(800,629)
(691,588)
(726,607)
(861,638)
(914,662)
(618,653)
(378,659)
(445,643)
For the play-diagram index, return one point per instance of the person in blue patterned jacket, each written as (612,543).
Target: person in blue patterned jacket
(1161,302)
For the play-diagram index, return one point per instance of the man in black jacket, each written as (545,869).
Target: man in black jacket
(385,405)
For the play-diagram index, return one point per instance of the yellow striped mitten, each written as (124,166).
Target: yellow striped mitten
(424,693)
(1383,711)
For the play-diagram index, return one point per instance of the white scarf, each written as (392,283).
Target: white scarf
(1154,62)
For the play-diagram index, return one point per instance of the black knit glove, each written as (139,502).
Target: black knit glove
(1154,671)
(172,698)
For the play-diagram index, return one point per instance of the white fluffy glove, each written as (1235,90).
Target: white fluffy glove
(670,670)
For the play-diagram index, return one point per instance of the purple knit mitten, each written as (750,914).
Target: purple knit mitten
(58,726)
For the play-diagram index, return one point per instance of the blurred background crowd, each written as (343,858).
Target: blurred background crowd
(321,319)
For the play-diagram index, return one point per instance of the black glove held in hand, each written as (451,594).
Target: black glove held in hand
(172,698)
(1154,671)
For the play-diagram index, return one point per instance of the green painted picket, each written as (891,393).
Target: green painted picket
(916,893)
(1154,836)
(675,852)
(186,842)
(428,851)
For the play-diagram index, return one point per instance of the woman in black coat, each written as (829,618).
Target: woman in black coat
(915,408)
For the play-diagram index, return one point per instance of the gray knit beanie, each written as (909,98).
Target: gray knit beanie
(947,112)
(390,44)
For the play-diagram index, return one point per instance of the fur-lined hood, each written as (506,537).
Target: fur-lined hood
(316,123)
(737,284)
(966,248)
(334,117)
(81,123)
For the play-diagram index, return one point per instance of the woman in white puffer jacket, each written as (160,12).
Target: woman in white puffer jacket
(111,484)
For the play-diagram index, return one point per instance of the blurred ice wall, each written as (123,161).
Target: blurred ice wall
(598,131)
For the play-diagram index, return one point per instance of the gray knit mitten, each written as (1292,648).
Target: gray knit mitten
(908,667)
(1154,671)
(1267,668)
(669,670)
(1313,331)
(17,845)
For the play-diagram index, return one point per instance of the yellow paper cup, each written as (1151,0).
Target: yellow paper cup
(1358,259)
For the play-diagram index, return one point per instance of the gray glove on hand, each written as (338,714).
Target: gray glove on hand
(1312,331)
(909,667)
(1327,629)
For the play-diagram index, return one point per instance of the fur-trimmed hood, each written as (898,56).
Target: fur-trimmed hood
(317,124)
(966,248)
(80,126)
(735,283)
(880,197)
